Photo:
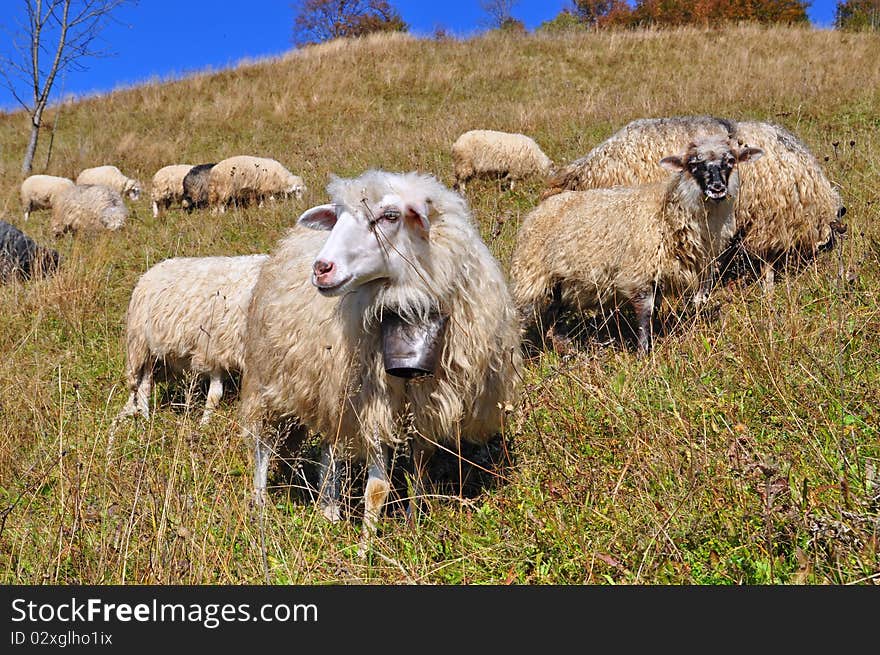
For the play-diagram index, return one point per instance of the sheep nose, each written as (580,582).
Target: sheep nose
(322,267)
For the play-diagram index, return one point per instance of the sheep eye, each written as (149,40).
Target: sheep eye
(391,215)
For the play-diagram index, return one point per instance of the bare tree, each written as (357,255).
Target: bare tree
(500,11)
(322,20)
(62,32)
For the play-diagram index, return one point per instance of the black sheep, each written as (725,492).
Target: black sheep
(21,257)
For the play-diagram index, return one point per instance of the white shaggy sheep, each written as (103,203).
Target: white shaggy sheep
(166,187)
(37,191)
(112,177)
(399,243)
(188,314)
(606,247)
(492,153)
(244,179)
(89,207)
(788,207)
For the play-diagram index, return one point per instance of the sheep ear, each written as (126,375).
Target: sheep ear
(322,217)
(417,214)
(749,154)
(673,163)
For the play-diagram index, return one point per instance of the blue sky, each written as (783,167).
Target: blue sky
(160,38)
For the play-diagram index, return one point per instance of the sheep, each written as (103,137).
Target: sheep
(88,207)
(788,211)
(244,179)
(628,245)
(166,187)
(400,244)
(112,177)
(21,258)
(630,155)
(188,314)
(37,191)
(492,153)
(195,186)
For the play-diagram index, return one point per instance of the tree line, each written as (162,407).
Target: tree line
(320,20)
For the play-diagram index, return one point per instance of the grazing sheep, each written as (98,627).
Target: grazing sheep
(195,187)
(21,257)
(501,154)
(89,207)
(166,187)
(188,314)
(399,243)
(788,209)
(607,247)
(112,177)
(244,179)
(37,191)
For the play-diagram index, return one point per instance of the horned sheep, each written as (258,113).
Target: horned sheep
(188,314)
(507,155)
(628,245)
(89,207)
(166,187)
(112,177)
(21,258)
(788,210)
(244,179)
(37,191)
(195,186)
(402,244)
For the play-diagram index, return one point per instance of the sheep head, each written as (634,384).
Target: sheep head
(709,162)
(381,239)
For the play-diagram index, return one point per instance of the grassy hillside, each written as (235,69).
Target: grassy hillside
(745,449)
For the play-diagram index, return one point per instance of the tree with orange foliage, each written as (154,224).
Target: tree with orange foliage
(683,12)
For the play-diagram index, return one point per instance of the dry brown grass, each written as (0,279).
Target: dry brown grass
(745,449)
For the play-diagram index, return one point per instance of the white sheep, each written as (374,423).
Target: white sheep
(626,245)
(89,207)
(788,209)
(244,179)
(500,154)
(37,191)
(166,188)
(402,244)
(112,177)
(188,314)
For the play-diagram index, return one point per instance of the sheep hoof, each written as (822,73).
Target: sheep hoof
(331,512)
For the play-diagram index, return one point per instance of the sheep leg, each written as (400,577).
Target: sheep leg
(644,304)
(421,454)
(262,453)
(144,389)
(768,275)
(27,213)
(329,484)
(376,492)
(155,209)
(215,393)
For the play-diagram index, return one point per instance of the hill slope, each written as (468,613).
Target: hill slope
(745,449)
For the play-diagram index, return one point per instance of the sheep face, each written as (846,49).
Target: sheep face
(134,192)
(368,243)
(710,163)
(295,187)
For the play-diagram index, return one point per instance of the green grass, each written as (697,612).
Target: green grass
(743,450)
